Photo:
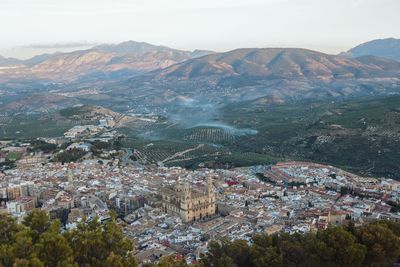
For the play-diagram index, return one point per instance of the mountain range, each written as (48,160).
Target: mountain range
(130,57)
(278,74)
(281,63)
(139,57)
(138,72)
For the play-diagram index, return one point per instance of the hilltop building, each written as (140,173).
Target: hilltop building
(189,204)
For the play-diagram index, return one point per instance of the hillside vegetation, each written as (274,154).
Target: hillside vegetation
(40,242)
(359,135)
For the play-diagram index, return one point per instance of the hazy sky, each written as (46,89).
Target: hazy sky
(35,26)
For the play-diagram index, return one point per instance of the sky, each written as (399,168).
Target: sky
(29,27)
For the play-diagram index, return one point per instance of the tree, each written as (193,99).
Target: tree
(8,229)
(6,255)
(38,222)
(33,262)
(114,260)
(343,247)
(70,155)
(94,244)
(344,190)
(268,256)
(351,227)
(23,246)
(264,252)
(393,226)
(292,248)
(383,246)
(239,251)
(8,233)
(114,239)
(99,145)
(39,242)
(53,249)
(86,243)
(217,255)
(171,261)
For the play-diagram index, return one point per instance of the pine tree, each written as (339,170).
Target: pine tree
(53,249)
(38,222)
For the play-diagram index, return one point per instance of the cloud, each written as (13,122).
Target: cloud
(60,45)
(357,3)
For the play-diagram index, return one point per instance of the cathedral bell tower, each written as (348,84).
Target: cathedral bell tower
(210,186)
(70,176)
(185,202)
(186,193)
(211,208)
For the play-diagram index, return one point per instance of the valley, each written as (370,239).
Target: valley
(204,109)
(362,136)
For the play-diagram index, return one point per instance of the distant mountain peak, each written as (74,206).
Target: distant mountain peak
(131,47)
(387,48)
(4,61)
(200,53)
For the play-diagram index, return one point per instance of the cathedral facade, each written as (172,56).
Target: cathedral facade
(189,204)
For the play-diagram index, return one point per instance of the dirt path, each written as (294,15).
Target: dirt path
(179,154)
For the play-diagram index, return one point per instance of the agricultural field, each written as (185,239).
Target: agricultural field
(194,154)
(159,151)
(362,136)
(13,156)
(210,135)
(50,125)
(32,126)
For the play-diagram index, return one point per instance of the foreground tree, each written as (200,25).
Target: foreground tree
(38,222)
(53,249)
(376,244)
(341,248)
(94,244)
(383,246)
(38,242)
(264,252)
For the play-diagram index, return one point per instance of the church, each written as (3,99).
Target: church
(188,203)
